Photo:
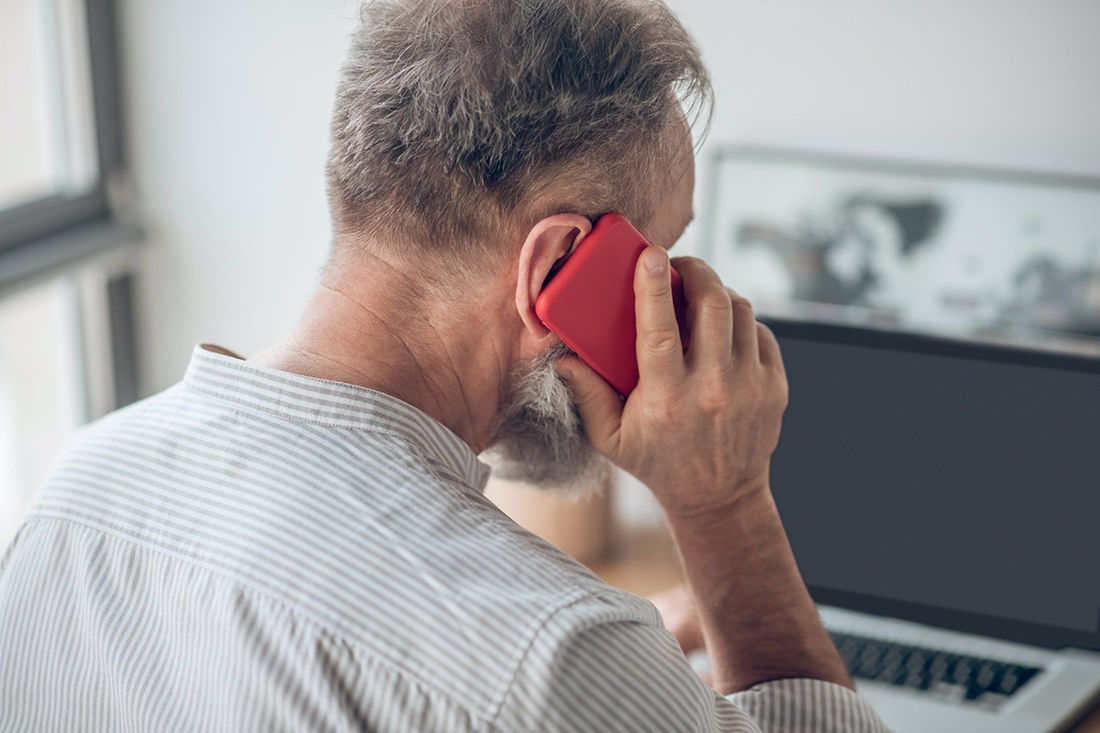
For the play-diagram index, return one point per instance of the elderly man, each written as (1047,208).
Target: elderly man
(299,540)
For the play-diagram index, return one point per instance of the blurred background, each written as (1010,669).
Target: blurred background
(925,166)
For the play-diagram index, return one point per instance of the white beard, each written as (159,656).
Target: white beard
(539,438)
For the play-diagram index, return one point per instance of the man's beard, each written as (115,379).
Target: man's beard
(539,438)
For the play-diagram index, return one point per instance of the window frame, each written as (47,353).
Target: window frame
(78,237)
(25,226)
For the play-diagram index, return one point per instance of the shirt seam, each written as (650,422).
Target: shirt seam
(241,364)
(240,406)
(495,708)
(424,454)
(385,656)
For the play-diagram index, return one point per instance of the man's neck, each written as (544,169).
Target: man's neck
(379,329)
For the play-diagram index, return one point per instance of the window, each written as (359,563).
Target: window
(58,121)
(47,143)
(40,390)
(66,336)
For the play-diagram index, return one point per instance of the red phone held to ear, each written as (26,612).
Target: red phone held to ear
(589,302)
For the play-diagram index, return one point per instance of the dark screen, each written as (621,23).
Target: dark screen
(963,484)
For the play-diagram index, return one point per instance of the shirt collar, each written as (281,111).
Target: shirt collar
(217,372)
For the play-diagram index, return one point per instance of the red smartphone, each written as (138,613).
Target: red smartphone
(589,302)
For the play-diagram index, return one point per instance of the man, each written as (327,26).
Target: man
(299,541)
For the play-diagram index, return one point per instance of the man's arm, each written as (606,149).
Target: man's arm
(757,618)
(631,676)
(699,430)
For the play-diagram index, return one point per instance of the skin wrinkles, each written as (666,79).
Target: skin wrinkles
(370,327)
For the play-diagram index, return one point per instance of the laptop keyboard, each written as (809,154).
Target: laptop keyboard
(956,676)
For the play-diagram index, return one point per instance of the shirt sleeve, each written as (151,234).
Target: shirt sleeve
(625,676)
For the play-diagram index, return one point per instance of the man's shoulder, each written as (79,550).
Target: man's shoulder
(499,593)
(458,597)
(512,568)
(495,583)
(407,565)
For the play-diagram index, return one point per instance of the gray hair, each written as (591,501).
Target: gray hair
(539,437)
(456,120)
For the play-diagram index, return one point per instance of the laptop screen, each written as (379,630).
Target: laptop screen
(944,483)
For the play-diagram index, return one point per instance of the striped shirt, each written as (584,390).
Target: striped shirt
(253,550)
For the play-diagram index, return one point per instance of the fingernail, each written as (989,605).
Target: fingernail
(656,262)
(565,374)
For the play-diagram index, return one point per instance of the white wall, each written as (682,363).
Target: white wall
(227,123)
(1011,83)
(1004,81)
(228,105)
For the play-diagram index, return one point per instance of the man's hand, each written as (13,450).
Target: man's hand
(701,426)
(699,430)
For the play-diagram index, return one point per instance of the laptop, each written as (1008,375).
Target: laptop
(943,501)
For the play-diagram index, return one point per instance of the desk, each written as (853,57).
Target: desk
(645,563)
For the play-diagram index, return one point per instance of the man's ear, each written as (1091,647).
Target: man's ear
(548,242)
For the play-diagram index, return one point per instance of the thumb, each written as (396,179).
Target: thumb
(599,405)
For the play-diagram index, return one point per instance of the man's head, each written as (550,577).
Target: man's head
(479,139)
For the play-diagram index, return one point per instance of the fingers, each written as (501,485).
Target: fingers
(721,321)
(660,354)
(709,314)
(599,405)
(746,346)
(770,355)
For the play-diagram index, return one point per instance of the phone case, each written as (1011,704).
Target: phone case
(589,302)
